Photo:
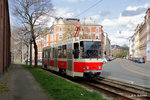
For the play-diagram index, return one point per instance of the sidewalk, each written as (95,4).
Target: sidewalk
(22,86)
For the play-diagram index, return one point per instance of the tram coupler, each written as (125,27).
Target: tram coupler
(91,74)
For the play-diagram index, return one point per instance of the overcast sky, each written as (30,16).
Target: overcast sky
(119,18)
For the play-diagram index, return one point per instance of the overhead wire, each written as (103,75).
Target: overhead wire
(90,7)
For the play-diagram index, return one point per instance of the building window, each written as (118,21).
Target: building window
(83,29)
(60,36)
(89,29)
(90,37)
(60,29)
(97,36)
(68,36)
(97,30)
(52,38)
(47,39)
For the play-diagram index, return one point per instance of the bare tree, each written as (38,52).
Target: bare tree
(32,14)
(19,40)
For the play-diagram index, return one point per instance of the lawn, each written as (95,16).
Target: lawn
(4,81)
(59,88)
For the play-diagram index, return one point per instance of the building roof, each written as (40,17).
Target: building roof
(88,22)
(147,10)
(83,22)
(115,46)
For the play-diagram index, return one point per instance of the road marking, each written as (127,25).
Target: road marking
(133,68)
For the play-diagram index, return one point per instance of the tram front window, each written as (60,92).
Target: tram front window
(90,49)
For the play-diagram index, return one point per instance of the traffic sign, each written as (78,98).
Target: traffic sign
(148,51)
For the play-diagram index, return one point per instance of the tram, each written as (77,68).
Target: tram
(74,57)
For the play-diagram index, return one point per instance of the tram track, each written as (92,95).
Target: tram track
(118,89)
(114,88)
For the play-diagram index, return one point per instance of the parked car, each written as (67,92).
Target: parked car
(136,59)
(141,60)
(104,60)
(130,58)
(108,58)
(133,59)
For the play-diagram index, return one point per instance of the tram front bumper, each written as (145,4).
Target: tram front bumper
(92,73)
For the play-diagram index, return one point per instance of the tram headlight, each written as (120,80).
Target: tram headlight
(99,67)
(87,67)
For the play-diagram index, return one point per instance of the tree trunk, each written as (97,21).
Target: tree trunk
(35,53)
(35,45)
(27,54)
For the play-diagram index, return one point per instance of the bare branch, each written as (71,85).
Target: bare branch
(31,14)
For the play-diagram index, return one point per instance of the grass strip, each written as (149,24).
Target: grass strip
(60,89)
(4,81)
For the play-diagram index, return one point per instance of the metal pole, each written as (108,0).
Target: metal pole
(30,53)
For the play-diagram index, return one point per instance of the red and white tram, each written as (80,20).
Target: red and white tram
(74,57)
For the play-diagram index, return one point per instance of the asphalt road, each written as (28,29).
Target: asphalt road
(128,71)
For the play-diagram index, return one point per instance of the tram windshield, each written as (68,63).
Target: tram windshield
(90,49)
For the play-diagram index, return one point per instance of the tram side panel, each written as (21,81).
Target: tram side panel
(51,59)
(87,68)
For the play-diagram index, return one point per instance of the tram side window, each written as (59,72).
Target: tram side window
(100,53)
(49,53)
(55,52)
(76,50)
(81,50)
(64,51)
(46,54)
(60,53)
(69,51)
(42,54)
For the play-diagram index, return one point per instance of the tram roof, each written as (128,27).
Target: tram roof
(72,40)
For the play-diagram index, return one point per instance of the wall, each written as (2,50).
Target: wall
(5,55)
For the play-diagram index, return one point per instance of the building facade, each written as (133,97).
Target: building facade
(141,39)
(5,55)
(107,46)
(136,42)
(62,30)
(148,34)
(116,49)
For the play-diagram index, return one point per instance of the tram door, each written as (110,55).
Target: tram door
(69,60)
(55,58)
(48,63)
(76,51)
